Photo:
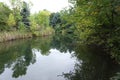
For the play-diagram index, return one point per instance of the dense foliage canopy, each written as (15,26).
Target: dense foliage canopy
(97,22)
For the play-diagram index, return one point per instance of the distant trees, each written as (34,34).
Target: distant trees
(43,18)
(11,20)
(25,13)
(40,20)
(40,23)
(16,9)
(59,22)
(4,14)
(15,18)
(55,19)
(18,17)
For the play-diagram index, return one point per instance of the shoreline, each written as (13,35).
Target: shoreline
(15,35)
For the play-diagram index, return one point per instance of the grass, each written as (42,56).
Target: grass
(44,32)
(13,35)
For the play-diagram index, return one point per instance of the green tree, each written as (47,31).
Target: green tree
(40,20)
(16,8)
(55,19)
(25,13)
(95,17)
(4,14)
(11,21)
(97,22)
(43,18)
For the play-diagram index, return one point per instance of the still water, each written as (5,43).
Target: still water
(55,58)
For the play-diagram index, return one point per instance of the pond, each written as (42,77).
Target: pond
(55,58)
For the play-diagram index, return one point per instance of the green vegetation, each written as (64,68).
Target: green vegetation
(8,36)
(97,22)
(93,22)
(18,56)
(87,24)
(40,23)
(4,15)
(17,22)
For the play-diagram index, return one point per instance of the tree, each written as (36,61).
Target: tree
(4,14)
(55,19)
(25,13)
(43,18)
(11,20)
(16,8)
(95,18)
(97,22)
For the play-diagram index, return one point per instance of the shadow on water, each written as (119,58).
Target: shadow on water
(92,63)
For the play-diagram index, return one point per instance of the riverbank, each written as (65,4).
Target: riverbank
(14,35)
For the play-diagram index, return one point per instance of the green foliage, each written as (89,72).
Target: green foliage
(34,26)
(16,8)
(4,14)
(97,22)
(98,16)
(11,21)
(22,26)
(40,23)
(34,23)
(42,18)
(55,19)
(60,24)
(25,13)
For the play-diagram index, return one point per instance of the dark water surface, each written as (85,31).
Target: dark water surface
(55,58)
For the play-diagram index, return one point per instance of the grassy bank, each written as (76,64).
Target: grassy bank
(13,35)
(8,36)
(45,32)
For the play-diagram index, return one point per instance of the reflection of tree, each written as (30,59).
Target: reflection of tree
(19,55)
(116,77)
(93,65)
(59,42)
(43,44)
(23,62)
(19,68)
(63,43)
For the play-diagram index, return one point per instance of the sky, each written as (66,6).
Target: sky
(50,5)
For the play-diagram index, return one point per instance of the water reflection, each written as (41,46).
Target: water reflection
(54,58)
(17,56)
(93,64)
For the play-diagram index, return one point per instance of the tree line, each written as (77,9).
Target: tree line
(17,16)
(93,22)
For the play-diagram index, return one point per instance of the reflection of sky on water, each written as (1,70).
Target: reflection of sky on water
(48,67)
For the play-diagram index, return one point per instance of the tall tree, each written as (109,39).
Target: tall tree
(16,8)
(4,14)
(25,13)
(11,21)
(97,22)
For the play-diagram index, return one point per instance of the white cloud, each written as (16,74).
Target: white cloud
(51,5)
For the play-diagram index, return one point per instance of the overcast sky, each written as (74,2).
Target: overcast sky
(51,5)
